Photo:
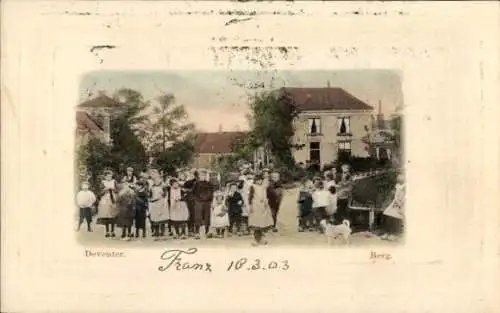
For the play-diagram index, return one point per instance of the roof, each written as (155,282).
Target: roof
(101,101)
(85,122)
(219,142)
(324,98)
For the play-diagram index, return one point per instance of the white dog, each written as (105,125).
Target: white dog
(334,231)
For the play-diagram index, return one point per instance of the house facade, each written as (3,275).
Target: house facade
(331,123)
(209,147)
(101,110)
(86,128)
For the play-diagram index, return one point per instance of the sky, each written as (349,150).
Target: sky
(217,100)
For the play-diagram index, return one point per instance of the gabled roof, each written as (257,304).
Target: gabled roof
(85,122)
(324,98)
(101,101)
(219,142)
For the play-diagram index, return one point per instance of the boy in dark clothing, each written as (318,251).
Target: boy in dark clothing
(202,192)
(235,206)
(141,208)
(305,202)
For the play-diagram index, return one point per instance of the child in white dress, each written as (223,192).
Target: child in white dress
(107,209)
(220,216)
(179,213)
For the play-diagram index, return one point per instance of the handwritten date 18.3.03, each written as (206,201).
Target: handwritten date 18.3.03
(257,265)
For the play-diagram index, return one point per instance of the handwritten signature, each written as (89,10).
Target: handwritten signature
(175,261)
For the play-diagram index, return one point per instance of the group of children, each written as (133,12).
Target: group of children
(324,198)
(236,209)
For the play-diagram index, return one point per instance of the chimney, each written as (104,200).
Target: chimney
(380,116)
(220,128)
(328,84)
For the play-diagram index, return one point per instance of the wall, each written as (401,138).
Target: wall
(328,139)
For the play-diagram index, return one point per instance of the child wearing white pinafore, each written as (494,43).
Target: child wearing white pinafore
(220,217)
(245,192)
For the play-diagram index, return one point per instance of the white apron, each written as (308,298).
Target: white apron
(158,208)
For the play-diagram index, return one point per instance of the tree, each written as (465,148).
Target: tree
(127,149)
(95,156)
(174,157)
(169,124)
(271,120)
(135,107)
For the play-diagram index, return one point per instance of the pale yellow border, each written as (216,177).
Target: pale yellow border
(448,57)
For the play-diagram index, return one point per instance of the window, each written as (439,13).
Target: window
(344,125)
(314,126)
(314,152)
(344,150)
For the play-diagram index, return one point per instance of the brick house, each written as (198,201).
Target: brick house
(208,147)
(86,128)
(101,110)
(331,123)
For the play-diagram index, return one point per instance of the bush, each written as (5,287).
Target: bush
(376,189)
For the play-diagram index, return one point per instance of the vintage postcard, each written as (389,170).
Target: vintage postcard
(240,156)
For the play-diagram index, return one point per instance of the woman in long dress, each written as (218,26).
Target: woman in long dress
(158,207)
(260,218)
(394,213)
(107,209)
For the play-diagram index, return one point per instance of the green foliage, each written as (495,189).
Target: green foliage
(376,189)
(127,149)
(271,119)
(135,107)
(176,156)
(169,123)
(96,156)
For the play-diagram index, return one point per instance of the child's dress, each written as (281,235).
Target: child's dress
(107,208)
(178,208)
(158,207)
(219,221)
(126,207)
(260,216)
